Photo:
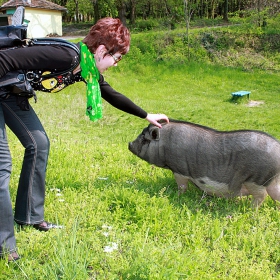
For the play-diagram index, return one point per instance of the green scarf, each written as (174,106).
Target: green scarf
(91,75)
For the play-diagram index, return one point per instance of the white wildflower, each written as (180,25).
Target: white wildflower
(54,189)
(110,249)
(107,227)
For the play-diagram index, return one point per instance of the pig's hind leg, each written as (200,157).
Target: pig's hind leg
(243,191)
(258,193)
(273,189)
(182,182)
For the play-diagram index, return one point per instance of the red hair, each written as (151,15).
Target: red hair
(111,33)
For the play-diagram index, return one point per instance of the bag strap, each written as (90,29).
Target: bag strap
(58,42)
(53,41)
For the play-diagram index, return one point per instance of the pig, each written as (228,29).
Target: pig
(220,163)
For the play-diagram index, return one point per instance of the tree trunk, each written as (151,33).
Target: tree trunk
(132,11)
(225,14)
(77,11)
(122,12)
(187,19)
(259,12)
(96,10)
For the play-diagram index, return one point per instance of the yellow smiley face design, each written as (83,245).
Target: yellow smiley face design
(49,83)
(59,88)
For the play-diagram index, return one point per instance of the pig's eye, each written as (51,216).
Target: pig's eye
(144,140)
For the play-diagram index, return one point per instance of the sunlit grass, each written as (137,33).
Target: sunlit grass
(122,217)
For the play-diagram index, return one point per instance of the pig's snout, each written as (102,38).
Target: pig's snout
(130,147)
(133,147)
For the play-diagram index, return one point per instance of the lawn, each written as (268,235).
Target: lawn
(122,217)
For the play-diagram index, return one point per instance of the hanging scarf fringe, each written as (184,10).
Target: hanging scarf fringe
(91,75)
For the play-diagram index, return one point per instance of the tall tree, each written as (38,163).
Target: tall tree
(73,9)
(121,7)
(77,10)
(132,10)
(60,2)
(225,13)
(187,13)
(96,10)
(263,9)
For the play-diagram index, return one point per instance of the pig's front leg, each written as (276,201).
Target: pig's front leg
(182,182)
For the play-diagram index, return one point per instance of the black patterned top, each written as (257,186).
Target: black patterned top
(39,61)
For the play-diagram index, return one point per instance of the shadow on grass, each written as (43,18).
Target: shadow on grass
(194,199)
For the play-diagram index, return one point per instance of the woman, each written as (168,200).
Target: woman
(102,48)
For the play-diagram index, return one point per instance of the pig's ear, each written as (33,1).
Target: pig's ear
(162,121)
(155,133)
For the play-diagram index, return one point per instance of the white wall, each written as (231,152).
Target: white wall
(43,22)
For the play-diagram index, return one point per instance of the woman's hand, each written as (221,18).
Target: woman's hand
(154,118)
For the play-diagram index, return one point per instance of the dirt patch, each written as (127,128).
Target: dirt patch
(76,30)
(253,103)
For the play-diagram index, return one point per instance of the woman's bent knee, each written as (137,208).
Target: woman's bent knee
(38,142)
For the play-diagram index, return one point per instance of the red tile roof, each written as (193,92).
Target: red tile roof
(40,4)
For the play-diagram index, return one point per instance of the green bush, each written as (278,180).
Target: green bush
(234,47)
(145,25)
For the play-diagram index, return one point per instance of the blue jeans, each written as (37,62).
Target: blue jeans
(29,205)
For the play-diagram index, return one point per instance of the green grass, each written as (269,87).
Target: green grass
(106,196)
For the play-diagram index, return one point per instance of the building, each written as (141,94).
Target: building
(44,18)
